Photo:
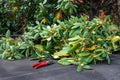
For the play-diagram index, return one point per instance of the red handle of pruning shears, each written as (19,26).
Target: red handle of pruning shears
(41,64)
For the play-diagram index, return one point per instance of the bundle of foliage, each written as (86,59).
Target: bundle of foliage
(77,41)
(17,48)
(15,14)
(90,42)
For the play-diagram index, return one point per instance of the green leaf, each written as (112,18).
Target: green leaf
(89,59)
(99,50)
(87,67)
(49,45)
(99,58)
(108,59)
(27,53)
(104,55)
(4,55)
(94,60)
(18,56)
(84,54)
(64,50)
(74,32)
(79,68)
(85,33)
(8,23)
(67,5)
(24,46)
(105,45)
(0,55)
(76,25)
(12,49)
(39,47)
(45,1)
(75,10)
(74,48)
(34,56)
(10,58)
(74,38)
(36,36)
(1,50)
(64,61)
(37,22)
(59,1)
(71,11)
(8,33)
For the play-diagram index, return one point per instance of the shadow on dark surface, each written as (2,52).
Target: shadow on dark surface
(22,70)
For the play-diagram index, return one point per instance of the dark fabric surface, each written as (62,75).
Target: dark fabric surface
(22,70)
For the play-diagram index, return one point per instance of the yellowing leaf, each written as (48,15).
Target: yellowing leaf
(82,49)
(77,50)
(44,20)
(92,47)
(15,8)
(70,60)
(116,38)
(39,47)
(62,54)
(58,15)
(99,39)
